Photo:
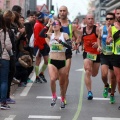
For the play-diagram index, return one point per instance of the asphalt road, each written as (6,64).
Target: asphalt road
(33,101)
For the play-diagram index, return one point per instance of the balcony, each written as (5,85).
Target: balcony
(104,2)
(96,2)
(113,6)
(111,2)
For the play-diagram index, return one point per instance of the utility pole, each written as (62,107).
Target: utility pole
(49,3)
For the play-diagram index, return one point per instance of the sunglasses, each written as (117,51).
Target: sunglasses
(55,23)
(109,18)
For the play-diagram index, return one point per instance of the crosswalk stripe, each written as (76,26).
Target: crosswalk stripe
(11,117)
(50,97)
(104,118)
(44,117)
(46,97)
(95,98)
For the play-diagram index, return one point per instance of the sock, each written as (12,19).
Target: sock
(54,95)
(37,70)
(43,68)
(112,94)
(42,73)
(62,99)
(109,85)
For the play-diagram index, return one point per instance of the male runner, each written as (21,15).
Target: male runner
(91,56)
(105,57)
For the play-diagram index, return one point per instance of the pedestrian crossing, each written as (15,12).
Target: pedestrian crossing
(104,118)
(12,117)
(44,117)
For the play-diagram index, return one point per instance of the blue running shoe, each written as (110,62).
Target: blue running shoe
(90,95)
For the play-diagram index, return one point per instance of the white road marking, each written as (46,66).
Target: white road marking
(103,118)
(82,69)
(46,97)
(11,117)
(29,85)
(44,117)
(50,97)
(101,98)
(26,89)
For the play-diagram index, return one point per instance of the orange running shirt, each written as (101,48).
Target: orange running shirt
(88,40)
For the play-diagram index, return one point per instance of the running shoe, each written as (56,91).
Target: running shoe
(62,104)
(38,80)
(53,103)
(42,77)
(4,106)
(90,95)
(105,92)
(29,80)
(112,99)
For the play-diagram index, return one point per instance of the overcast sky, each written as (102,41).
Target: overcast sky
(74,6)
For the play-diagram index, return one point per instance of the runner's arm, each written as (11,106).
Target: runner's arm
(95,44)
(43,32)
(99,39)
(76,33)
(68,43)
(109,38)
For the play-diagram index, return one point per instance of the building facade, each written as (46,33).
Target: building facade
(104,6)
(32,5)
(111,5)
(25,5)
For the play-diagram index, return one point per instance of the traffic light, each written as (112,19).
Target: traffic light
(52,10)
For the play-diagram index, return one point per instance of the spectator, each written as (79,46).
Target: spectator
(4,62)
(9,18)
(24,67)
(17,9)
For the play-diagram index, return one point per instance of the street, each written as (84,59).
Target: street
(33,101)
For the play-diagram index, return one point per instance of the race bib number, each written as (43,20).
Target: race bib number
(118,49)
(57,47)
(109,48)
(91,56)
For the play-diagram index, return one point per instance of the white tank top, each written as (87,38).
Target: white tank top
(55,46)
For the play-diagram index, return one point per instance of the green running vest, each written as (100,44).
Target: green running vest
(116,40)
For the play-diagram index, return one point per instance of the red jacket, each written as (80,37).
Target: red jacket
(39,41)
